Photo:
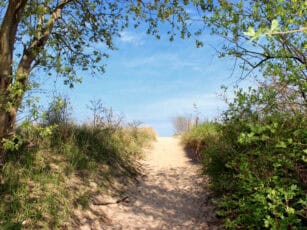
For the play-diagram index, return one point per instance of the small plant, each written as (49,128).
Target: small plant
(103,116)
(59,111)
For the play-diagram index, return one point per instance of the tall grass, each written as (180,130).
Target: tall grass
(49,175)
(200,137)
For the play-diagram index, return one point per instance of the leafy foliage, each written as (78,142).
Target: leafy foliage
(58,111)
(276,54)
(257,168)
(257,160)
(71,41)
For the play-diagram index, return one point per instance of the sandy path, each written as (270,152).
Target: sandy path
(173,195)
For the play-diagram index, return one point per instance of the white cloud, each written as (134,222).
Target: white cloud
(155,59)
(132,38)
(171,61)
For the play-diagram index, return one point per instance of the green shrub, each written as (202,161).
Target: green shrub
(260,182)
(257,168)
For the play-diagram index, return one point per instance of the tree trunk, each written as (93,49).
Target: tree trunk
(7,127)
(8,32)
(10,84)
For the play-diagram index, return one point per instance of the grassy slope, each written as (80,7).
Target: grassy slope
(51,175)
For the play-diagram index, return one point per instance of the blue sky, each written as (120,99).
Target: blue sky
(154,81)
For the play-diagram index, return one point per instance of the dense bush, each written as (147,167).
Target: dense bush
(48,174)
(258,172)
(256,160)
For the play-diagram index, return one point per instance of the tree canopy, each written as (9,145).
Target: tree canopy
(63,35)
(268,35)
(66,36)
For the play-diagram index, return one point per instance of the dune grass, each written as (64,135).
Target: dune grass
(50,175)
(200,137)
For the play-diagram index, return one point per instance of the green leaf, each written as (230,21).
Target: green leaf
(290,210)
(281,144)
(290,140)
(274,25)
(40,9)
(250,32)
(199,44)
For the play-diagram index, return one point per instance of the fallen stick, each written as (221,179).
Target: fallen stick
(108,203)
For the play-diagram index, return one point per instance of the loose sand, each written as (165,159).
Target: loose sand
(172,195)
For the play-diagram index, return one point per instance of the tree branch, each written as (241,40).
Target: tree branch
(288,32)
(37,44)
